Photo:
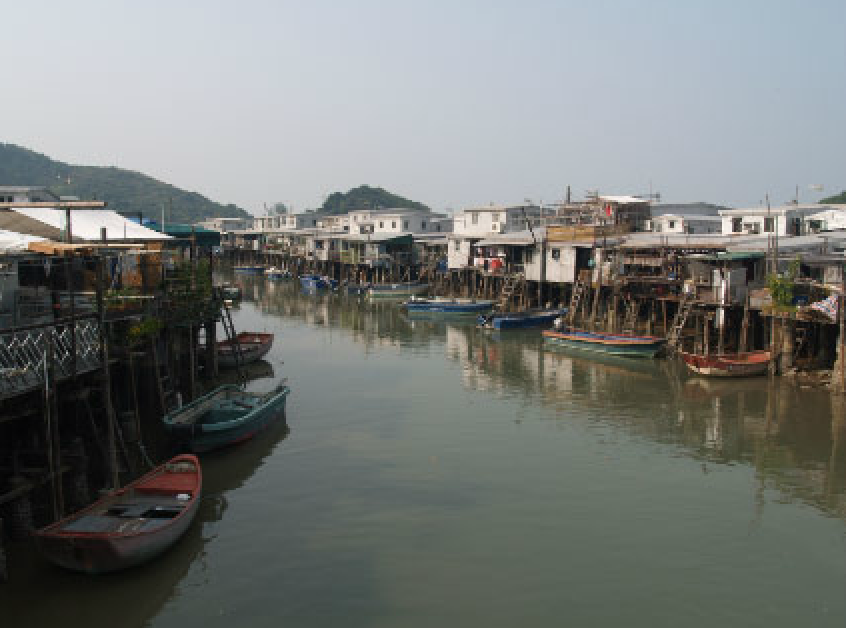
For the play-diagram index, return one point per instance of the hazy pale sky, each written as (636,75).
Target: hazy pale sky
(452,103)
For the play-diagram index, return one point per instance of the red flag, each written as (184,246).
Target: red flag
(608,209)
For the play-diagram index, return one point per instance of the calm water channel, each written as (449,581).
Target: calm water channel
(437,475)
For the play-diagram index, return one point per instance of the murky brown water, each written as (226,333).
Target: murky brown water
(435,474)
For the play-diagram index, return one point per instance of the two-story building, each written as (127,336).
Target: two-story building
(396,221)
(785,220)
(475,224)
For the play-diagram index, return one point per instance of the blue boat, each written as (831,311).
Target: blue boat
(612,344)
(317,282)
(519,320)
(225,416)
(448,306)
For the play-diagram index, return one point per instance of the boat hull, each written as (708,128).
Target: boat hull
(74,544)
(397,290)
(201,437)
(610,344)
(527,320)
(434,306)
(749,364)
(254,347)
(249,270)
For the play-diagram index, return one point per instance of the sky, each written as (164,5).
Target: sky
(451,103)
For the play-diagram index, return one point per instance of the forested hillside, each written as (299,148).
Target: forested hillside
(837,199)
(124,190)
(366,197)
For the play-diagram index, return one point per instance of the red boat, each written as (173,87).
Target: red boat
(728,364)
(129,526)
(254,346)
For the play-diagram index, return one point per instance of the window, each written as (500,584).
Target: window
(736,225)
(313,223)
(438,228)
(405,224)
(393,224)
(769,224)
(474,218)
(495,217)
(318,244)
(672,224)
(423,225)
(381,225)
(556,254)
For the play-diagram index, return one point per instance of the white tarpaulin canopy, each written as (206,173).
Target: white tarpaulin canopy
(13,242)
(86,224)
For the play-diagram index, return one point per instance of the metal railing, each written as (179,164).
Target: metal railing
(24,353)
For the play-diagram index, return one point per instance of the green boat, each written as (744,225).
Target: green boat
(225,416)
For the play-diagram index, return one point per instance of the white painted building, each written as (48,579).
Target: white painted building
(492,219)
(782,221)
(397,221)
(478,223)
(681,223)
(26,194)
(226,224)
(829,218)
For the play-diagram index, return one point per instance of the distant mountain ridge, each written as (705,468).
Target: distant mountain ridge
(123,190)
(367,197)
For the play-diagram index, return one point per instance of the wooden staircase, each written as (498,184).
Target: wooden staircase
(679,322)
(579,289)
(510,287)
(232,336)
(632,309)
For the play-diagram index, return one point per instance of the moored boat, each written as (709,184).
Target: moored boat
(317,282)
(613,344)
(440,305)
(518,320)
(253,346)
(396,290)
(748,364)
(225,416)
(128,526)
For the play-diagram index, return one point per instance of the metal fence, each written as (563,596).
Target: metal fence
(24,354)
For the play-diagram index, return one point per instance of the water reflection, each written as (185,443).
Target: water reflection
(41,594)
(792,437)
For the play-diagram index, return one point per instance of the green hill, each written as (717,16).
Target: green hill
(123,190)
(835,200)
(366,197)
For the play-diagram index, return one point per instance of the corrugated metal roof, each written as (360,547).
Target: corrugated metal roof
(13,242)
(623,199)
(86,224)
